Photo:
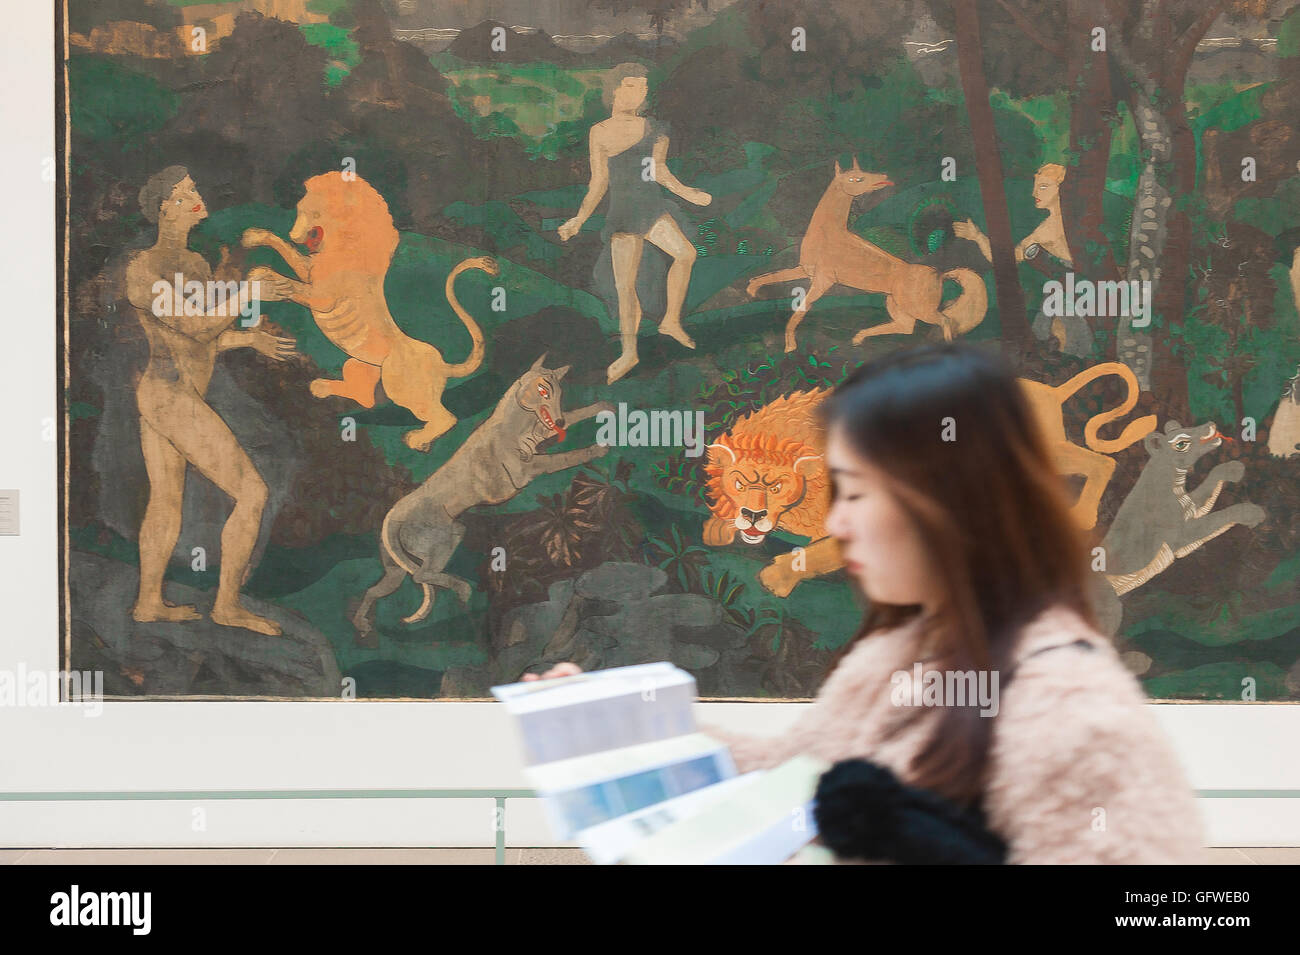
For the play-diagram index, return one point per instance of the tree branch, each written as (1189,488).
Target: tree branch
(1016,334)
(1185,46)
(1162,9)
(1118,46)
(1165,23)
(1027,27)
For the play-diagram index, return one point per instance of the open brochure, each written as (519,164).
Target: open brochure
(763,822)
(602,710)
(621,769)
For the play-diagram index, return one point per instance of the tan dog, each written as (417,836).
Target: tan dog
(831,254)
(347,229)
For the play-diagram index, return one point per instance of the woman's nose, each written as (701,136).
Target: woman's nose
(834,520)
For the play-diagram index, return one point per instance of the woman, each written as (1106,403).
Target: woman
(951,518)
(1048,245)
(629,160)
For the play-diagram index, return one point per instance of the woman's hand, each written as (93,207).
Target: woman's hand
(570,229)
(969,230)
(697,196)
(559,670)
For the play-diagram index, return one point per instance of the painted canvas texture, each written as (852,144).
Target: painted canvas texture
(409,346)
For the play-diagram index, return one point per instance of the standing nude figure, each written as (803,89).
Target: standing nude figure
(638,207)
(176,424)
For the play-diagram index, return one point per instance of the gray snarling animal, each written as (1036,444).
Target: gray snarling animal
(420,532)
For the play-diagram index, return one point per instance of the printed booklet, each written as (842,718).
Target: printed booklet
(621,769)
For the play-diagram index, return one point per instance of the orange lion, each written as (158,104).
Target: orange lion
(350,238)
(768,472)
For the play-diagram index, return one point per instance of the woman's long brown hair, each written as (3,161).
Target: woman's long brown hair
(954,434)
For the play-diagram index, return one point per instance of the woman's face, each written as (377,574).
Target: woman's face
(879,543)
(1047,192)
(631,93)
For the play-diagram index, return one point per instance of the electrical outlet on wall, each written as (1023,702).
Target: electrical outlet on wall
(8,513)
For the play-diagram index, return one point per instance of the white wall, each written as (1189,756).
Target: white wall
(336,745)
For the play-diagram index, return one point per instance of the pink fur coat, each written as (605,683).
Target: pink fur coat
(1079,771)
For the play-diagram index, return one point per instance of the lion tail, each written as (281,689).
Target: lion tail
(470,364)
(967,310)
(1135,430)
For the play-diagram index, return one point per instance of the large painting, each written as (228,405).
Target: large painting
(413,345)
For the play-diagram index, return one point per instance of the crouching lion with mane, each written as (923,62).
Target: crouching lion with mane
(350,237)
(768,473)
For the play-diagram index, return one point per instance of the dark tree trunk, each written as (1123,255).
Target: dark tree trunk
(1016,337)
(1092,102)
(1169,376)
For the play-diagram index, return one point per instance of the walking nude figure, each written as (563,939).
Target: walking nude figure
(638,208)
(176,424)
